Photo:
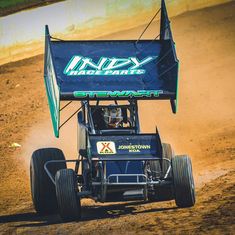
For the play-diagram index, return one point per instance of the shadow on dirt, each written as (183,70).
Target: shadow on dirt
(117,210)
(30,217)
(89,213)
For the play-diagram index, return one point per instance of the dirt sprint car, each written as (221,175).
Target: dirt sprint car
(116,162)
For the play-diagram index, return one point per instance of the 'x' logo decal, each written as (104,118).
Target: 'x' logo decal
(106,148)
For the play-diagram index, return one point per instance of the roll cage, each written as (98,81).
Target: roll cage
(91,116)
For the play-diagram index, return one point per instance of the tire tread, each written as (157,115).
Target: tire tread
(42,188)
(183,181)
(66,190)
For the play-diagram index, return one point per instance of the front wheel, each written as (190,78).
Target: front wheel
(66,192)
(183,181)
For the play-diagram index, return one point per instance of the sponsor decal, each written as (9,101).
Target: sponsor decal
(106,147)
(120,94)
(134,148)
(79,66)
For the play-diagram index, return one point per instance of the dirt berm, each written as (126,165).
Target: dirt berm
(204,128)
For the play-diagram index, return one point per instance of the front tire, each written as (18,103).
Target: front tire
(42,188)
(183,181)
(66,192)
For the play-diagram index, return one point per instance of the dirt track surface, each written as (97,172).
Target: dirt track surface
(204,128)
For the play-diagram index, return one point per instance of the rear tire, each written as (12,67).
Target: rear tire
(66,192)
(155,168)
(163,193)
(183,181)
(42,188)
(168,153)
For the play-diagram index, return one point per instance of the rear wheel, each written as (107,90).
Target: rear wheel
(163,193)
(66,192)
(183,181)
(42,188)
(167,153)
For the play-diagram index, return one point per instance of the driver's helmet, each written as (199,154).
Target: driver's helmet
(113,116)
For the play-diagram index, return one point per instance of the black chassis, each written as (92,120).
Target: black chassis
(97,185)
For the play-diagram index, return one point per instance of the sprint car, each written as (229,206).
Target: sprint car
(113,163)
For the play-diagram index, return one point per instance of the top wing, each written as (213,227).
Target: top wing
(102,70)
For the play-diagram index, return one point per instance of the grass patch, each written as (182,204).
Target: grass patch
(11,6)
(13,3)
